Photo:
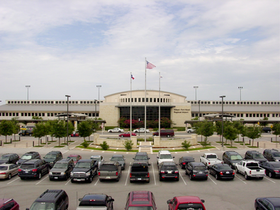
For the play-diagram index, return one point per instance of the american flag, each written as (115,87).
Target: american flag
(150,65)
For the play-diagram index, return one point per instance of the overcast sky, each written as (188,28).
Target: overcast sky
(68,47)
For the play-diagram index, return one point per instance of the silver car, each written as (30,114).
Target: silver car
(7,171)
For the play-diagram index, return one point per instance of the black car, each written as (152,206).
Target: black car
(52,157)
(61,169)
(34,168)
(271,154)
(84,170)
(183,161)
(272,169)
(142,156)
(51,199)
(9,158)
(139,171)
(222,171)
(196,170)
(255,155)
(29,156)
(100,200)
(267,203)
(232,158)
(168,170)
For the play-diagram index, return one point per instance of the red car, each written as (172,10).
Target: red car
(127,134)
(75,158)
(186,202)
(9,204)
(75,134)
(140,200)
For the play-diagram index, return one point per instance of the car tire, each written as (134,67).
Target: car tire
(160,178)
(270,175)
(9,176)
(216,176)
(177,179)
(21,178)
(72,181)
(260,178)
(118,179)
(90,179)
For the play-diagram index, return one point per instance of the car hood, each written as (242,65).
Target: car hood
(58,170)
(80,170)
(49,160)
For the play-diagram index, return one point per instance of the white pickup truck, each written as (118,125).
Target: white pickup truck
(210,159)
(250,168)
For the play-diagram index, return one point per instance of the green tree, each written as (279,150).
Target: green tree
(85,129)
(276,130)
(230,132)
(40,130)
(206,129)
(186,144)
(253,132)
(239,126)
(128,145)
(59,130)
(6,128)
(104,145)
(16,125)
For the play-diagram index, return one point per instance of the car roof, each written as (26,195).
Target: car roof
(196,164)
(184,199)
(5,200)
(31,161)
(85,160)
(117,156)
(100,197)
(73,155)
(164,152)
(64,160)
(9,154)
(54,152)
(140,198)
(48,195)
(188,158)
(109,163)
(139,162)
(274,200)
(141,153)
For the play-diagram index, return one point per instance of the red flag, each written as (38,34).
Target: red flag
(150,65)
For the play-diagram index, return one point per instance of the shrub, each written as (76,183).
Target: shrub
(186,144)
(128,145)
(85,144)
(104,145)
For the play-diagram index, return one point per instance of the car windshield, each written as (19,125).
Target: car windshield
(190,206)
(108,167)
(165,156)
(26,157)
(199,168)
(212,156)
(236,157)
(82,165)
(275,165)
(50,156)
(258,155)
(117,159)
(4,158)
(224,167)
(73,157)
(141,157)
(276,154)
(42,206)
(61,165)
(3,168)
(140,208)
(27,166)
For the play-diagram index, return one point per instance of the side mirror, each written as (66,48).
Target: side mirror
(202,200)
(169,202)
(157,157)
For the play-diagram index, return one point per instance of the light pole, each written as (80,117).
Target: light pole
(27,86)
(195,87)
(68,96)
(222,119)
(98,86)
(240,88)
(198,110)
(95,102)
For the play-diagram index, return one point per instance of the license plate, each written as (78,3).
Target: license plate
(79,180)
(227,172)
(55,177)
(108,177)
(26,171)
(139,178)
(169,172)
(200,172)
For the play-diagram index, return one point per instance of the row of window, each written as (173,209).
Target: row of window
(54,102)
(242,114)
(152,100)
(36,114)
(237,102)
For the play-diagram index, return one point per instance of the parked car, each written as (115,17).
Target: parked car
(166,133)
(186,202)
(168,170)
(61,169)
(184,160)
(84,170)
(115,130)
(34,168)
(196,170)
(26,132)
(120,159)
(51,199)
(271,154)
(191,130)
(222,171)
(75,158)
(250,169)
(98,160)
(9,158)
(52,157)
(75,134)
(140,200)
(209,159)
(141,130)
(142,156)
(232,158)
(267,203)
(254,155)
(8,204)
(96,201)
(139,171)
(28,156)
(164,156)
(7,171)
(109,170)
(266,129)
(272,169)
(127,134)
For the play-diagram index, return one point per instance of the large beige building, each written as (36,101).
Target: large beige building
(172,106)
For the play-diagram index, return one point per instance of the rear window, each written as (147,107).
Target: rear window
(236,157)
(190,206)
(276,154)
(27,166)
(199,168)
(168,167)
(108,167)
(92,203)
(211,156)
(166,156)
(3,168)
(141,208)
(139,168)
(141,157)
(42,205)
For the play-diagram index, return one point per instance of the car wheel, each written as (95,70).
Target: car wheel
(72,181)
(39,176)
(260,178)
(9,176)
(90,179)
(270,175)
(118,179)
(21,178)
(177,179)
(216,176)
(160,178)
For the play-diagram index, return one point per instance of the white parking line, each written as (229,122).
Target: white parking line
(240,179)
(96,182)
(182,178)
(154,174)
(269,179)
(127,175)
(212,180)
(42,180)
(68,181)
(13,180)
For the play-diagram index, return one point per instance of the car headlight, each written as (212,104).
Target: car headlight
(50,173)
(62,173)
(88,173)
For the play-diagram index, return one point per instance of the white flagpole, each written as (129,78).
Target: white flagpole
(145,120)
(130,105)
(159,107)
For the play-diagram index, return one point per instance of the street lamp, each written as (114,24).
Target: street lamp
(240,88)
(27,86)
(98,86)
(222,120)
(195,87)
(68,96)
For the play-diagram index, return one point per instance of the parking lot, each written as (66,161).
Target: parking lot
(218,194)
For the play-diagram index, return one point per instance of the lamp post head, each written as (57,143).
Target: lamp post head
(67,96)
(195,86)
(240,87)
(222,96)
(98,86)
(28,86)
